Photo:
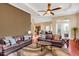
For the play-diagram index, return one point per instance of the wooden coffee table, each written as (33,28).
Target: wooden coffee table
(43,44)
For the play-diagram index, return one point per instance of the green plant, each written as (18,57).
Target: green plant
(75,29)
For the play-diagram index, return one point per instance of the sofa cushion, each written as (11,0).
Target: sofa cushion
(20,42)
(57,37)
(6,47)
(17,38)
(22,37)
(49,36)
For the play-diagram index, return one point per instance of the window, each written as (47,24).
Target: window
(63,28)
(47,28)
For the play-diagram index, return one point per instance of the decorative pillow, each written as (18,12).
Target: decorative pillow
(13,41)
(43,36)
(7,42)
(26,37)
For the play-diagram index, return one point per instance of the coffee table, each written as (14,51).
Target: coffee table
(44,44)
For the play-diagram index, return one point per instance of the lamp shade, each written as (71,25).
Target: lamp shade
(29,32)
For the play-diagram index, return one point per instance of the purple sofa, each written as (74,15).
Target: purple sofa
(9,45)
(51,38)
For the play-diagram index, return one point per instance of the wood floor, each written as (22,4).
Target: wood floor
(73,48)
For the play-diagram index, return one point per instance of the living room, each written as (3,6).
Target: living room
(52,29)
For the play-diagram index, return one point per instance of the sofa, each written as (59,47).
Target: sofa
(54,39)
(12,44)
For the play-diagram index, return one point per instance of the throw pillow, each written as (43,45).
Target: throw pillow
(17,38)
(26,37)
(43,36)
(7,42)
(13,41)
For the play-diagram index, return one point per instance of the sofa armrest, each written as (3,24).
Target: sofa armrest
(1,48)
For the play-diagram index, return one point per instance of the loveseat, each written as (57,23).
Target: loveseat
(10,44)
(54,39)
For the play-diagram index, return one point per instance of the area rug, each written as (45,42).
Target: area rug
(32,50)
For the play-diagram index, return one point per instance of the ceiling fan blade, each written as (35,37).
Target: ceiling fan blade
(41,11)
(52,13)
(45,13)
(56,8)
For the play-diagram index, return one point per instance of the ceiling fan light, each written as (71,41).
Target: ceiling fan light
(48,12)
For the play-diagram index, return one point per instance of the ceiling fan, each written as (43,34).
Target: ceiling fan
(49,10)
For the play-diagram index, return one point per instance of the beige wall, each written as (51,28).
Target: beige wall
(78,19)
(78,25)
(13,21)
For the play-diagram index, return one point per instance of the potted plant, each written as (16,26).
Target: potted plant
(75,29)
